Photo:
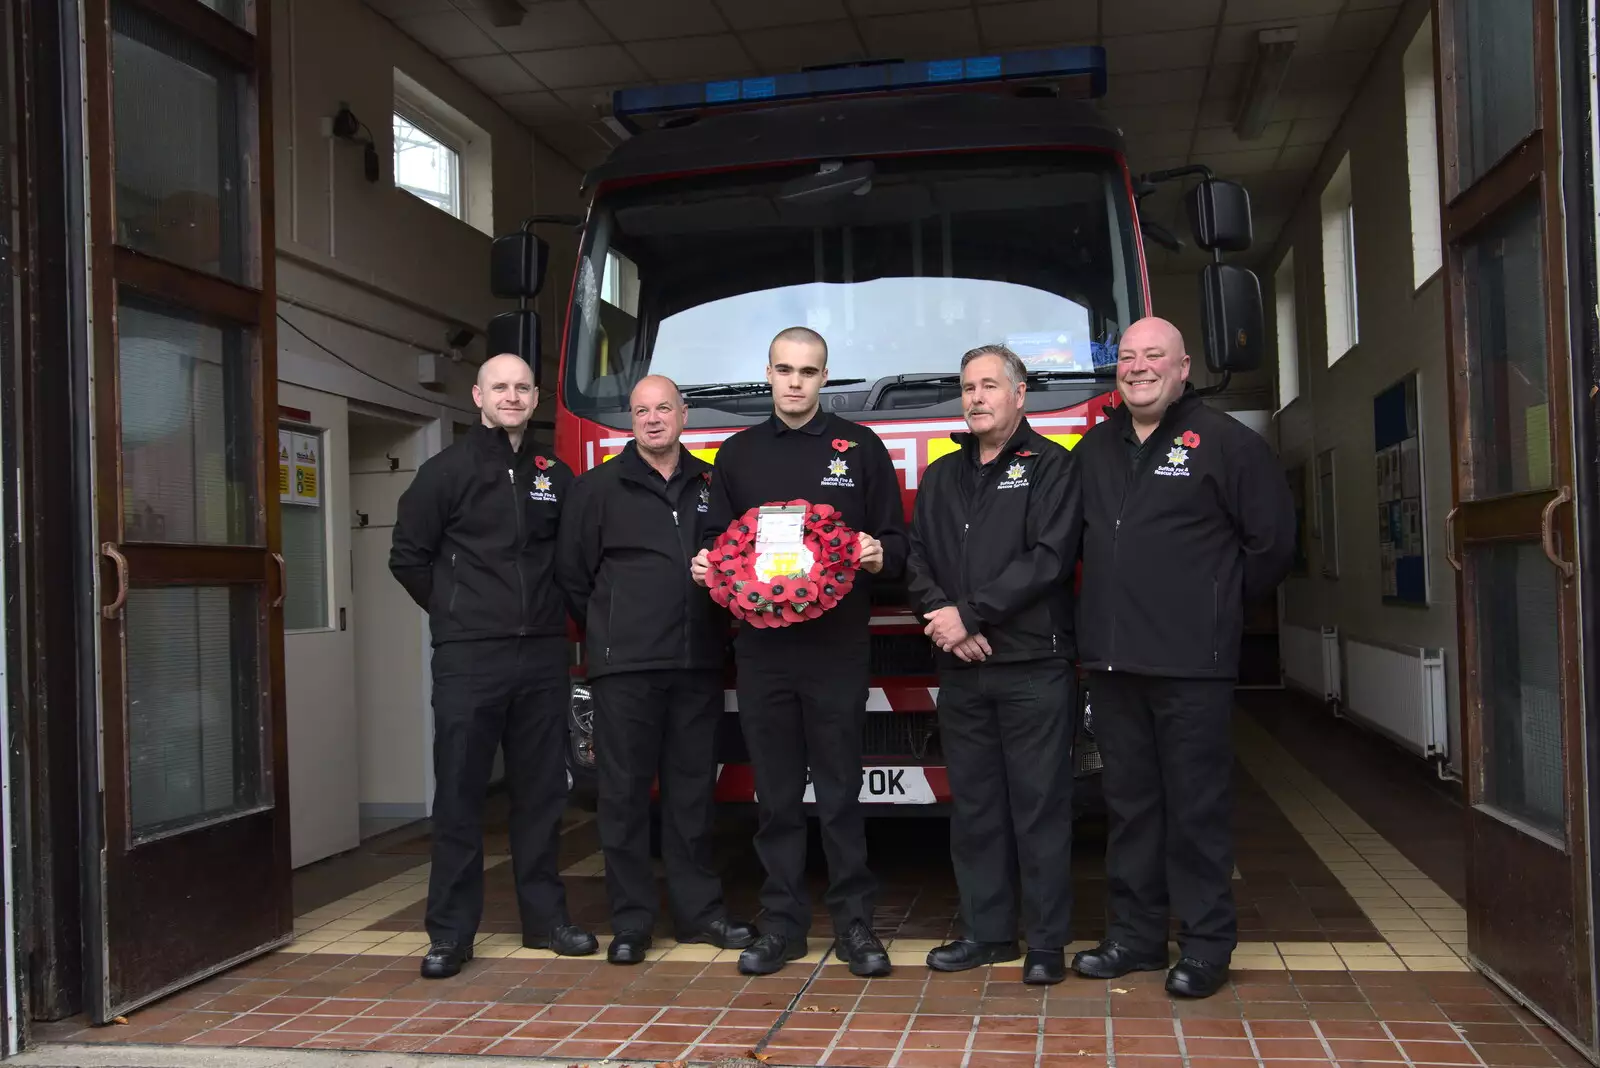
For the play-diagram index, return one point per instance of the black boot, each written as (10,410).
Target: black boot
(722,933)
(769,953)
(861,948)
(1113,960)
(962,954)
(445,959)
(1044,967)
(1191,978)
(569,940)
(628,947)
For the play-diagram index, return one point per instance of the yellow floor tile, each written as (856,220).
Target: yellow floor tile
(1329,963)
(1306,949)
(914,945)
(1451,963)
(698,952)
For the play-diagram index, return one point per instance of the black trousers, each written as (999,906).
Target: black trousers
(1007,731)
(797,712)
(649,724)
(1167,745)
(509,692)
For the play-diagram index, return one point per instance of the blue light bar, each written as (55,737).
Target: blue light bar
(1087,61)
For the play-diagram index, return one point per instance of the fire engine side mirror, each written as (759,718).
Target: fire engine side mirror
(517,264)
(1231,317)
(1219,215)
(518,332)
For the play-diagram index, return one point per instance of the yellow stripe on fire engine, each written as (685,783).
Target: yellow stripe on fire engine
(708,455)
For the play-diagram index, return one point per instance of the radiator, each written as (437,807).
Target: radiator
(1311,660)
(1400,690)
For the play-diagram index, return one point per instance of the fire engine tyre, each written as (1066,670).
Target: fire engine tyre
(583,787)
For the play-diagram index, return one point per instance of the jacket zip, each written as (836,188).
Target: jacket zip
(1122,506)
(450,609)
(1213,622)
(611,612)
(522,591)
(683,554)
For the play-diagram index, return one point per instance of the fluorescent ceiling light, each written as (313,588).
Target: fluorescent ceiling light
(1261,84)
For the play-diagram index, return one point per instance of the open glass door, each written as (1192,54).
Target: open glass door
(192,860)
(1511,534)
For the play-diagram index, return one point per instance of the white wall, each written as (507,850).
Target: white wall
(1401,330)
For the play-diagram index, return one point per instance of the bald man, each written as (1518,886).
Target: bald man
(656,646)
(474,546)
(1186,516)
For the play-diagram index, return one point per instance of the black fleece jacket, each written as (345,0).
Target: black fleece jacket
(998,541)
(1175,544)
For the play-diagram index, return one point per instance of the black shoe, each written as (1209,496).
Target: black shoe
(569,940)
(445,959)
(961,954)
(770,952)
(1045,967)
(1113,960)
(861,948)
(629,947)
(722,933)
(1191,978)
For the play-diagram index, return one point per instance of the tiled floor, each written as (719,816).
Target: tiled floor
(1349,955)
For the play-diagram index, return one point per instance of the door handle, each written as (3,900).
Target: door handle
(1450,539)
(283,580)
(1548,532)
(110,552)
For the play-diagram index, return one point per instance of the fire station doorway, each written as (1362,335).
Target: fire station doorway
(1512,537)
(184,762)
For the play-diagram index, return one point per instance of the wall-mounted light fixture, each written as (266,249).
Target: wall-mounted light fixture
(347,127)
(1259,97)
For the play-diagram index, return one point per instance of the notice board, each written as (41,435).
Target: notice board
(1402,529)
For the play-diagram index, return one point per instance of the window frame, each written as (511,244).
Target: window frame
(420,120)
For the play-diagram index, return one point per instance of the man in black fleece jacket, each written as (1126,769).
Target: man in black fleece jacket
(656,649)
(1187,515)
(993,544)
(474,546)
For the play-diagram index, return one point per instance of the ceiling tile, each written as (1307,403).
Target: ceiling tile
(449,35)
(496,75)
(1362,5)
(1253,162)
(586,101)
(744,15)
(399,9)
(1159,51)
(688,58)
(1124,89)
(921,36)
(899,7)
(642,20)
(1301,156)
(1312,131)
(1331,70)
(1262,10)
(792,47)
(1036,23)
(536,109)
(1153,119)
(596,65)
(1237,44)
(577,142)
(1317,104)
(1361,30)
(1211,140)
(549,24)
(1161,143)
(1136,16)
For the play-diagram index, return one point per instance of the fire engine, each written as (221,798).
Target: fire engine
(907,211)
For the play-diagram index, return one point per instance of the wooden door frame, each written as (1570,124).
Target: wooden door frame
(250,305)
(1532,167)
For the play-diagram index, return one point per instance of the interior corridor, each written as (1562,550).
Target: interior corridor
(1349,885)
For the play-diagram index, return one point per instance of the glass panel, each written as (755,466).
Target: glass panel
(1517,598)
(188,443)
(1508,386)
(305,530)
(426,167)
(1495,105)
(180,158)
(229,9)
(194,705)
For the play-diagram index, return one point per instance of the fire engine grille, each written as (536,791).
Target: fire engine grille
(900,654)
(912,736)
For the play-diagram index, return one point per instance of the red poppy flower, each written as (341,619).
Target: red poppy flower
(1191,440)
(1024,452)
(840,444)
(706,475)
(541,462)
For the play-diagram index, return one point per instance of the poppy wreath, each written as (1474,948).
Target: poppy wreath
(792,598)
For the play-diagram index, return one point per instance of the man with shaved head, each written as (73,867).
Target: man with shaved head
(656,646)
(1186,515)
(474,546)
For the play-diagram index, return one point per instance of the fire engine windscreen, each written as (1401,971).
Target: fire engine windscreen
(692,277)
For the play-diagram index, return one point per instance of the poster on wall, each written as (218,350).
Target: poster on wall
(285,467)
(1397,451)
(307,487)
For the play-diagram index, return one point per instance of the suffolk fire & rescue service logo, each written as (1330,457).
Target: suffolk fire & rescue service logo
(838,469)
(541,490)
(1017,473)
(1177,465)
(705,493)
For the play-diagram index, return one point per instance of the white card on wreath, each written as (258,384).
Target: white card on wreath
(780,542)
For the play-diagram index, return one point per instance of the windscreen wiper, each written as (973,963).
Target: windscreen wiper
(712,389)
